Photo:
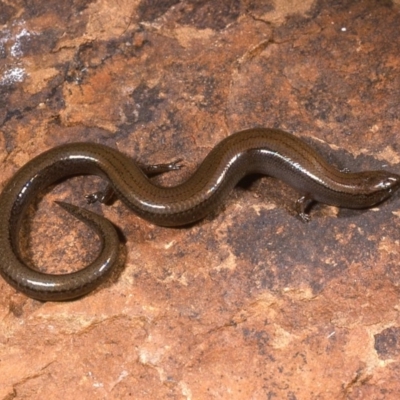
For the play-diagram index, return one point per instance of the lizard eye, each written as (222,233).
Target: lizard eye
(390,182)
(387,182)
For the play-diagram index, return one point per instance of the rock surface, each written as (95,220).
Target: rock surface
(249,304)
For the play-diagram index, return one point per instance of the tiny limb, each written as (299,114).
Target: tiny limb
(303,203)
(105,196)
(156,169)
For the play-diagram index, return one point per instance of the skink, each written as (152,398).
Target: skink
(267,151)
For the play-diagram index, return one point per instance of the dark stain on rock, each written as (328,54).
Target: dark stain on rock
(146,100)
(208,88)
(285,251)
(259,8)
(77,68)
(64,9)
(173,123)
(5,92)
(335,7)
(149,10)
(38,44)
(387,343)
(10,114)
(94,54)
(209,14)
(54,95)
(317,104)
(261,338)
(7,12)
(51,95)
(17,309)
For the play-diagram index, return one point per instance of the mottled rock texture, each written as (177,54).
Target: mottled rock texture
(248,304)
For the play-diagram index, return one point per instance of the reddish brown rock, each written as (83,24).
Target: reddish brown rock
(249,304)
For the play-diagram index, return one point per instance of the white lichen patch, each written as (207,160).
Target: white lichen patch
(16,50)
(11,39)
(12,75)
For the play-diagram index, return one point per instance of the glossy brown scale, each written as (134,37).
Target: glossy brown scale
(267,151)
